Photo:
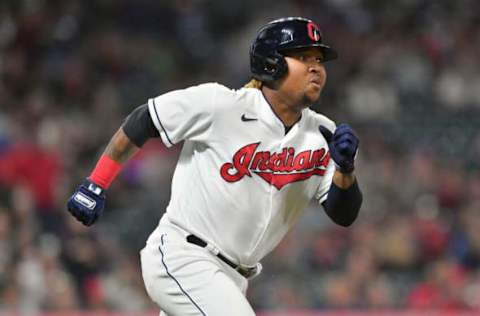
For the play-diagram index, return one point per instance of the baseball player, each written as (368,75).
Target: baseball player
(251,162)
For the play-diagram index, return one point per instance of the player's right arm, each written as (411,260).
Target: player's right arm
(87,202)
(174,116)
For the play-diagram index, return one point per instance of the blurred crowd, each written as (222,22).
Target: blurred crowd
(407,79)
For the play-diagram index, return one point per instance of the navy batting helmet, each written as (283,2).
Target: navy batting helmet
(267,62)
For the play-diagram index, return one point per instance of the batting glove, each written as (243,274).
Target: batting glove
(87,202)
(343,146)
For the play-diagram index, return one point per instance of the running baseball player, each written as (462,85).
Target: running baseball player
(251,162)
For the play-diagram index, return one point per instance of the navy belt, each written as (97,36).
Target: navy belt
(246,272)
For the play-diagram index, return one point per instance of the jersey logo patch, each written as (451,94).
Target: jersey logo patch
(278,169)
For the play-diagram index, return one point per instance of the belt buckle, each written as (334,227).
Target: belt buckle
(246,272)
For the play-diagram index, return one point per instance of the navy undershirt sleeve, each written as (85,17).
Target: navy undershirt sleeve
(343,205)
(139,127)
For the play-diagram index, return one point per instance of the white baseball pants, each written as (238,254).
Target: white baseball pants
(185,279)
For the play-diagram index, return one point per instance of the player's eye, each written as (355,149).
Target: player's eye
(303,57)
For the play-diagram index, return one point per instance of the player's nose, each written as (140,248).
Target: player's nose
(318,73)
(315,67)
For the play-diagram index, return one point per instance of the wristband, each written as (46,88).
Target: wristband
(105,171)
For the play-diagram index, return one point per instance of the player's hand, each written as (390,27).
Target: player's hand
(343,146)
(87,202)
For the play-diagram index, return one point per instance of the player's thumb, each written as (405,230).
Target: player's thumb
(327,134)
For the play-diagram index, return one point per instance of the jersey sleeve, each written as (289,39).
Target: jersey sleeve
(183,114)
(324,187)
(322,191)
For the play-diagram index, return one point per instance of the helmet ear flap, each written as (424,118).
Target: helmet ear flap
(274,67)
(270,66)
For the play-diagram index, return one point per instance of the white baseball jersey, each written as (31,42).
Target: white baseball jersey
(240,182)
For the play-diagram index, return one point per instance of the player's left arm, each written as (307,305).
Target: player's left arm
(344,196)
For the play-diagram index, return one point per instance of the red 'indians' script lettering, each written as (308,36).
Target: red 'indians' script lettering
(278,168)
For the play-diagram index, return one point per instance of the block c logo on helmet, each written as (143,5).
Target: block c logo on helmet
(313,31)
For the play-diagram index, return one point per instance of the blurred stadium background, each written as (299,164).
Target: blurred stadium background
(407,79)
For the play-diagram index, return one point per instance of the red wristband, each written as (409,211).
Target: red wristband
(105,171)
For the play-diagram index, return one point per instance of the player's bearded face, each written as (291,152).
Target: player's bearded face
(306,76)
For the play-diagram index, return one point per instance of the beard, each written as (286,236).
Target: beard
(308,99)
